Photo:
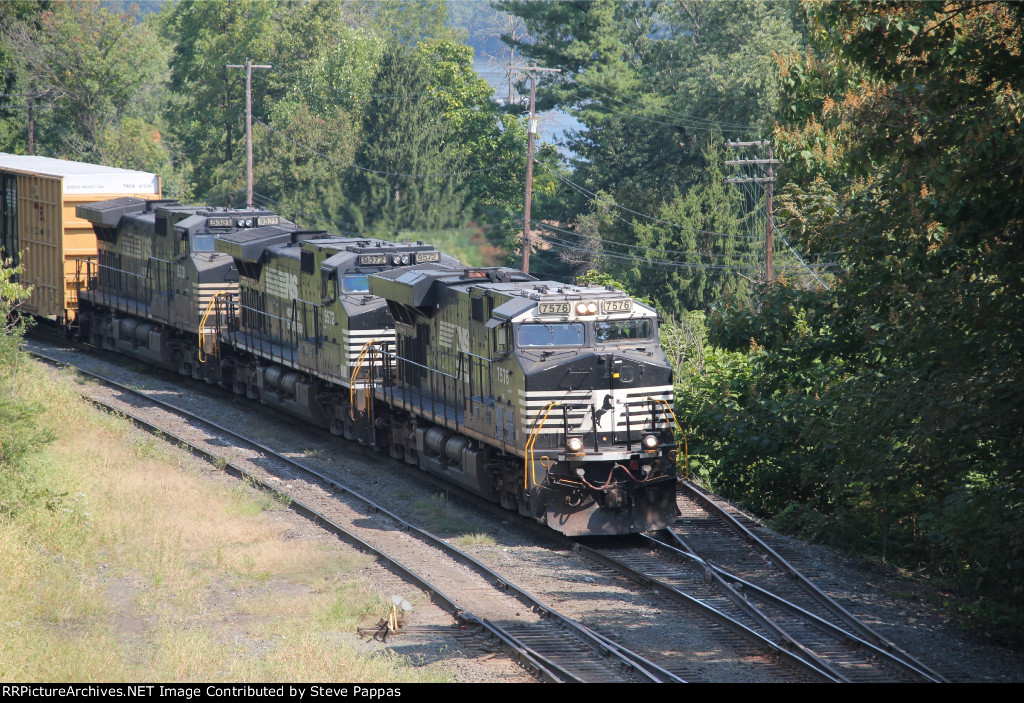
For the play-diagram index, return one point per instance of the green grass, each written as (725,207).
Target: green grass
(476,539)
(436,513)
(123,563)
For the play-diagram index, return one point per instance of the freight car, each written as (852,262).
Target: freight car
(40,232)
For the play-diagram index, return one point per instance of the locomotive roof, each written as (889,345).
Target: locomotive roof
(418,285)
(249,244)
(108,213)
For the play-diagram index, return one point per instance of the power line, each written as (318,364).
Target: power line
(561,243)
(657,250)
(699,123)
(595,196)
(375,171)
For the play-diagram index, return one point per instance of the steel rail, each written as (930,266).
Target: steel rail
(548,669)
(797,656)
(747,589)
(862,631)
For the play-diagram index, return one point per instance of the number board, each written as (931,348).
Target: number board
(428,256)
(372,260)
(218,222)
(265,221)
(560,308)
(618,305)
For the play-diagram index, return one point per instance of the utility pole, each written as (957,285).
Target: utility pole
(249,65)
(532,69)
(769,180)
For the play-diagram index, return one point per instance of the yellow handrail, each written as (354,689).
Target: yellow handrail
(352,379)
(686,446)
(528,460)
(202,324)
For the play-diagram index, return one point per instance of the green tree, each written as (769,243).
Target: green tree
(652,83)
(207,112)
(12,325)
(14,17)
(490,145)
(91,64)
(412,21)
(409,165)
(705,243)
(904,381)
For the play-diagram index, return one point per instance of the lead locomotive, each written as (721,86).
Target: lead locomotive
(549,398)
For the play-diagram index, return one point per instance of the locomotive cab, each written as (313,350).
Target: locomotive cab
(595,400)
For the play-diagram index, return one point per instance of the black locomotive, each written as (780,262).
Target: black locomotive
(552,399)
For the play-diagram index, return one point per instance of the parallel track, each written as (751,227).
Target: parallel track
(551,646)
(749,596)
(761,593)
(711,529)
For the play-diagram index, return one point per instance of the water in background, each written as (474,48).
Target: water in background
(552,125)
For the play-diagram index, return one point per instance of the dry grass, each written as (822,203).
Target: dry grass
(131,566)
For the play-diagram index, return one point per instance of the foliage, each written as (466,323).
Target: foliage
(20,430)
(638,75)
(409,164)
(137,145)
(411,21)
(701,234)
(207,110)
(12,325)
(89,64)
(491,144)
(884,416)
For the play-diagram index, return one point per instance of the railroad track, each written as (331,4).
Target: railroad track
(743,557)
(783,647)
(549,645)
(759,594)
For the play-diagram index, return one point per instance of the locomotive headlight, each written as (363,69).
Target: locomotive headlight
(649,442)
(591,308)
(405,259)
(396,259)
(581,308)
(574,445)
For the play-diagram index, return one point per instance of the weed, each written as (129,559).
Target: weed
(437,513)
(476,539)
(249,498)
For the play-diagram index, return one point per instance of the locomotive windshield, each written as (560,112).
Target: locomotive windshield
(355,283)
(562,334)
(202,242)
(623,330)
